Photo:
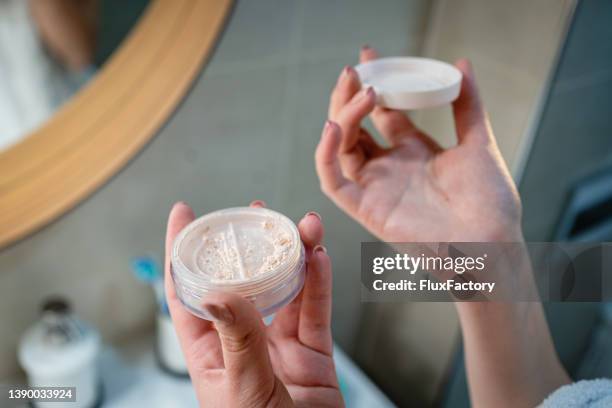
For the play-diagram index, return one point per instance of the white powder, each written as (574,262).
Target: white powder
(242,250)
(253,252)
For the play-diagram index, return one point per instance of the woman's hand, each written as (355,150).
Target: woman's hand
(239,362)
(414,190)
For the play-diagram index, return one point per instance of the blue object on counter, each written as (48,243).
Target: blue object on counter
(148,270)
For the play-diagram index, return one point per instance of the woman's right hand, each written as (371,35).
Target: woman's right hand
(414,190)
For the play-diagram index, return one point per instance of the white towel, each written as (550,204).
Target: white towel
(582,394)
(32,85)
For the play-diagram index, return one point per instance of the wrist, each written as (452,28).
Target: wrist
(513,275)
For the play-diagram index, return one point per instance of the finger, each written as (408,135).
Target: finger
(315,315)
(285,323)
(471,121)
(347,86)
(367,53)
(395,126)
(188,327)
(350,116)
(345,193)
(311,229)
(243,339)
(258,204)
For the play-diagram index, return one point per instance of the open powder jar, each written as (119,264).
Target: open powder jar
(256,253)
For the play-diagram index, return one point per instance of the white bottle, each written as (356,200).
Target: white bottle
(168,347)
(61,351)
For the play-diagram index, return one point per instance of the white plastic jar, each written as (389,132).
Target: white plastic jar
(254,252)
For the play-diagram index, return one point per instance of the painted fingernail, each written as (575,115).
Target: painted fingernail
(257,203)
(319,248)
(343,74)
(364,94)
(314,213)
(219,313)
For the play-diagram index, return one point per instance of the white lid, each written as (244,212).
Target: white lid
(407,83)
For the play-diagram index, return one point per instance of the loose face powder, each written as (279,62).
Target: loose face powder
(254,252)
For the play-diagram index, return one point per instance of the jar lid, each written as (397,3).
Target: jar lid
(408,83)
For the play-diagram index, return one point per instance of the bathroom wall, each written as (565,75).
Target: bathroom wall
(247,130)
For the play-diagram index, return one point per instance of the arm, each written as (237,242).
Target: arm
(65,30)
(510,357)
(413,190)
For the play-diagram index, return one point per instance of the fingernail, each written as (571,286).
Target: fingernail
(328,126)
(360,95)
(257,203)
(366,47)
(316,214)
(178,203)
(219,313)
(365,93)
(319,248)
(346,72)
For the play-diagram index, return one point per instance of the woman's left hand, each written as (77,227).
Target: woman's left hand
(237,361)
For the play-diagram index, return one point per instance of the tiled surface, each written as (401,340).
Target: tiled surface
(411,353)
(247,130)
(512,45)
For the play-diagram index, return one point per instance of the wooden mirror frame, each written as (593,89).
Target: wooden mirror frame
(96,133)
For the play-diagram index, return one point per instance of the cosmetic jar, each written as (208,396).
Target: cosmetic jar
(256,253)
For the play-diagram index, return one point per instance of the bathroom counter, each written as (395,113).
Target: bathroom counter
(132,377)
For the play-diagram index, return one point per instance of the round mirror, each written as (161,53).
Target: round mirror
(84,84)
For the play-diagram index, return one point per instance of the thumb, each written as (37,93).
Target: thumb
(243,341)
(471,120)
